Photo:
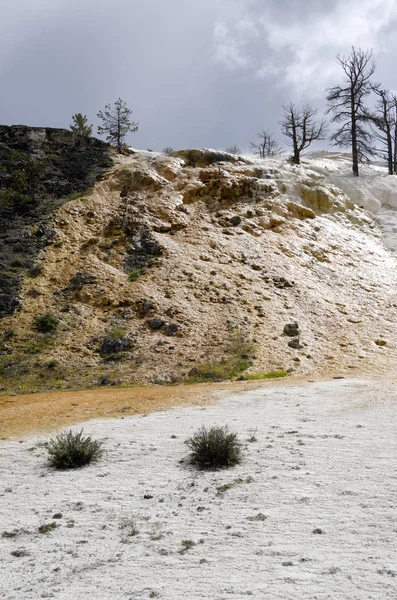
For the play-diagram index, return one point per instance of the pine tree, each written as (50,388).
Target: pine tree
(116,123)
(80,125)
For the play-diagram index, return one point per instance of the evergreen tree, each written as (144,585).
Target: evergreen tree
(116,123)
(80,125)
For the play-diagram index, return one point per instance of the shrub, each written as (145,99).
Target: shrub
(46,323)
(70,450)
(134,275)
(215,447)
(51,364)
(116,332)
(47,527)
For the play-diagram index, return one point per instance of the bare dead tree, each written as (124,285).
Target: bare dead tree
(266,147)
(233,149)
(383,125)
(301,126)
(346,103)
(395,134)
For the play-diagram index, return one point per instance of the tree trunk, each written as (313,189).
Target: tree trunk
(390,154)
(354,138)
(296,159)
(395,145)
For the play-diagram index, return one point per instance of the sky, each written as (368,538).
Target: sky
(196,73)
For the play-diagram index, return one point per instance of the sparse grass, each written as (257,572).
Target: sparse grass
(36,346)
(47,527)
(215,447)
(8,334)
(46,323)
(70,450)
(186,545)
(13,534)
(116,332)
(228,486)
(269,375)
(114,357)
(51,364)
(129,529)
(134,275)
(240,354)
(252,435)
(19,553)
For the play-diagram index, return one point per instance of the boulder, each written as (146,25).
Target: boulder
(111,345)
(235,220)
(294,343)
(291,329)
(155,323)
(163,379)
(171,329)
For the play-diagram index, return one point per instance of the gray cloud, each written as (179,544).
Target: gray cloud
(208,73)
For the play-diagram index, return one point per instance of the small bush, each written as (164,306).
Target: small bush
(70,450)
(51,364)
(46,323)
(47,527)
(134,275)
(116,332)
(186,545)
(215,447)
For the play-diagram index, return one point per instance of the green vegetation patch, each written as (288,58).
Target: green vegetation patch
(239,357)
(134,275)
(216,447)
(70,450)
(46,323)
(269,375)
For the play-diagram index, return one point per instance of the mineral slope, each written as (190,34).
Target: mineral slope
(168,260)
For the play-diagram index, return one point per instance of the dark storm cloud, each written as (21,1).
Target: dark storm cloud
(208,73)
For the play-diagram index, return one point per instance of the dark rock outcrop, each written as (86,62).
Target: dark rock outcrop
(40,169)
(204,157)
(72,163)
(144,248)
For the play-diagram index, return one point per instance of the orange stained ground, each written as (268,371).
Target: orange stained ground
(35,413)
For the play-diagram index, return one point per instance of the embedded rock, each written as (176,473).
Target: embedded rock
(291,329)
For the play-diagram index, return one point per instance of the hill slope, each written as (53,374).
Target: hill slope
(191,266)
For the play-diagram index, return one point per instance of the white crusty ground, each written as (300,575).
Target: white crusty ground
(325,457)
